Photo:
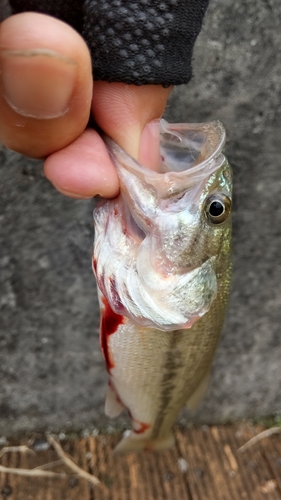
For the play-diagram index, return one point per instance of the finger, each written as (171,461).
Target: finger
(45,84)
(127,113)
(83,169)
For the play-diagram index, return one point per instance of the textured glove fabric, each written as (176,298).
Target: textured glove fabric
(5,10)
(132,41)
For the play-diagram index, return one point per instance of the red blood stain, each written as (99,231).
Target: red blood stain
(95,264)
(126,232)
(115,296)
(142,427)
(99,278)
(109,324)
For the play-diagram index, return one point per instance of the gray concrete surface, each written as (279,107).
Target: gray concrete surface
(52,373)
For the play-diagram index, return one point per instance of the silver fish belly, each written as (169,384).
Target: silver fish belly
(162,260)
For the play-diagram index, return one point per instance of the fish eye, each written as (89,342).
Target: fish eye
(217,208)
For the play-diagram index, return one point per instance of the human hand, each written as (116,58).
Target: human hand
(47,95)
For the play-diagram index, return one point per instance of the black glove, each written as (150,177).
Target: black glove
(132,41)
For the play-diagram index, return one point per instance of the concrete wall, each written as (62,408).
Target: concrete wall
(52,372)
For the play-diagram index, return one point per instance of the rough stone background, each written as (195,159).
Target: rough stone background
(52,372)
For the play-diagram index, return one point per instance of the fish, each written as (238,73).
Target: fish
(162,261)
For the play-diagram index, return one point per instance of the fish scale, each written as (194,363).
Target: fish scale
(163,272)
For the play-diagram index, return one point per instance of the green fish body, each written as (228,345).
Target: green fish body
(162,260)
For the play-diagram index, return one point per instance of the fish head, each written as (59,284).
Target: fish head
(193,225)
(177,227)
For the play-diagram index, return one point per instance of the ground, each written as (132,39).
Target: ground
(205,464)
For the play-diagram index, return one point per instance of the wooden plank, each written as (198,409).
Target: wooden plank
(10,489)
(276,465)
(24,488)
(270,450)
(237,473)
(214,466)
(245,465)
(79,487)
(98,464)
(153,475)
(93,462)
(7,486)
(147,474)
(228,467)
(195,473)
(136,477)
(204,465)
(258,473)
(121,477)
(168,474)
(179,469)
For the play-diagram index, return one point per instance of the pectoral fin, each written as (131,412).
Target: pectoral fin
(113,406)
(199,393)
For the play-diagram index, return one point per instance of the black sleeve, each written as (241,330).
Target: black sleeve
(132,41)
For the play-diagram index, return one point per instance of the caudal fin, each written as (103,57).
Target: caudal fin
(134,442)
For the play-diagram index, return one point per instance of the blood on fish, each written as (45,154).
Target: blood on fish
(94,261)
(143,427)
(109,324)
(126,232)
(115,296)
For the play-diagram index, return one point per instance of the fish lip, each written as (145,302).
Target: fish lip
(171,179)
(214,126)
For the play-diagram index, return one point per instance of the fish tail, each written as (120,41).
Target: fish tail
(134,442)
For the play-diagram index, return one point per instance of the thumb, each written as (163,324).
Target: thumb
(127,113)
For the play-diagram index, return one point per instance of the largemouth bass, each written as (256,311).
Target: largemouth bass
(162,259)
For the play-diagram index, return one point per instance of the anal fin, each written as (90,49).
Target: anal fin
(113,406)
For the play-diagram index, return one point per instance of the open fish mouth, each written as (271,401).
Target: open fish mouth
(188,155)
